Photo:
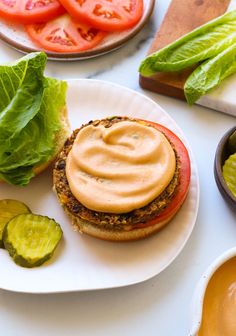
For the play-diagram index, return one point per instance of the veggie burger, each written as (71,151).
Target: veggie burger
(122,179)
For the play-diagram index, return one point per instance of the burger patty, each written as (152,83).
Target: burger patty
(103,219)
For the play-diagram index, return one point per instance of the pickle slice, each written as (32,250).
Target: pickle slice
(31,239)
(10,208)
(229,173)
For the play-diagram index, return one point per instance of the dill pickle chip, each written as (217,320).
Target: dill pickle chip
(229,173)
(31,239)
(10,208)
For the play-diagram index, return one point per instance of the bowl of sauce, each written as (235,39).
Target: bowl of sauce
(214,303)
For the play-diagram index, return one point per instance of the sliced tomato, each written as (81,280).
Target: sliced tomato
(30,11)
(108,15)
(63,34)
(184,178)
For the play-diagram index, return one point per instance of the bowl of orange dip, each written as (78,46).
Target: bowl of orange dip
(213,311)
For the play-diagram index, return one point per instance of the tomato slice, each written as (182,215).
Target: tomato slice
(184,178)
(108,15)
(63,34)
(30,11)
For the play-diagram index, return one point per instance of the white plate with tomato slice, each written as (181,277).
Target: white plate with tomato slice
(32,25)
(82,262)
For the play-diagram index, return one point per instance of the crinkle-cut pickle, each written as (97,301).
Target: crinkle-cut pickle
(31,239)
(229,173)
(10,208)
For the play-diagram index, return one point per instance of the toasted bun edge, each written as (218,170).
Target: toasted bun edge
(84,226)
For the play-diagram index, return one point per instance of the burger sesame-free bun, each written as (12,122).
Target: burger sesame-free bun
(84,226)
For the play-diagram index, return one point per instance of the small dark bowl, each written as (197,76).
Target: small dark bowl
(222,153)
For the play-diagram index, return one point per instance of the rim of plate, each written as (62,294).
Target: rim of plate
(97,51)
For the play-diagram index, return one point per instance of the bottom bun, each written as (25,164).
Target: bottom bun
(84,226)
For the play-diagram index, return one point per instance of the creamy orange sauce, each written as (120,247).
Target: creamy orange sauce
(219,308)
(120,168)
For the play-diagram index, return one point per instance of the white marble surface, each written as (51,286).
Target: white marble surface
(159,306)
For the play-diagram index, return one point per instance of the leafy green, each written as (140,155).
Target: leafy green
(202,43)
(30,108)
(21,82)
(210,74)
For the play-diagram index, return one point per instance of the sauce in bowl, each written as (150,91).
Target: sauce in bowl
(219,306)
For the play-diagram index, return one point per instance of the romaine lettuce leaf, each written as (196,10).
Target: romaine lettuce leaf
(210,74)
(21,90)
(29,117)
(202,43)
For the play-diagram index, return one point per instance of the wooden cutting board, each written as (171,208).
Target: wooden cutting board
(182,17)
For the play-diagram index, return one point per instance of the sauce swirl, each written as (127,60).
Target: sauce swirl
(119,168)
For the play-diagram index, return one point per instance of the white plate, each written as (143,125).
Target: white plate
(82,262)
(16,37)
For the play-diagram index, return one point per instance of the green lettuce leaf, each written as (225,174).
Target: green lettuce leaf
(29,117)
(202,43)
(210,74)
(21,90)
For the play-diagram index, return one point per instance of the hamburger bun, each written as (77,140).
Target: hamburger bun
(135,224)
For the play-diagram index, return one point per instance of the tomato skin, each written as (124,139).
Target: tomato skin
(21,11)
(63,34)
(184,176)
(106,15)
